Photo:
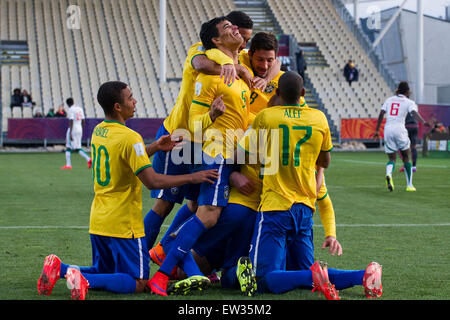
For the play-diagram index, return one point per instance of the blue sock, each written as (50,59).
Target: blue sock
(343,279)
(113,282)
(228,278)
(152,225)
(189,266)
(186,237)
(282,281)
(63,270)
(182,215)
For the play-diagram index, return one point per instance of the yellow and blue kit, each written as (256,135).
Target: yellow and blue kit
(116,224)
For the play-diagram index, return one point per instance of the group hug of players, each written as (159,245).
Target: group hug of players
(250,220)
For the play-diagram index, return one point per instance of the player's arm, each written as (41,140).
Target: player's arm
(319,178)
(327,216)
(164,143)
(201,116)
(376,135)
(419,118)
(71,127)
(324,159)
(202,64)
(215,62)
(153,180)
(242,183)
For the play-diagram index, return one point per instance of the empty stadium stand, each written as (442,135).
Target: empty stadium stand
(119,40)
(318,22)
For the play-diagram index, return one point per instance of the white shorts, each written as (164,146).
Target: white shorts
(395,138)
(74,144)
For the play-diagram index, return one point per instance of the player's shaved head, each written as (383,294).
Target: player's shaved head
(403,88)
(109,94)
(290,87)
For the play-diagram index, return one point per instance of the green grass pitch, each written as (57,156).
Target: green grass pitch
(46,210)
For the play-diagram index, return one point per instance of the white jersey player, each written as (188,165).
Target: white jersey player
(396,138)
(74,134)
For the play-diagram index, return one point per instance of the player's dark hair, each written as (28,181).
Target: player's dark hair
(290,87)
(403,88)
(209,30)
(240,19)
(109,94)
(264,41)
(69,101)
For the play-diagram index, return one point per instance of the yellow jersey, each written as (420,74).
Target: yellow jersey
(118,155)
(295,137)
(178,117)
(222,135)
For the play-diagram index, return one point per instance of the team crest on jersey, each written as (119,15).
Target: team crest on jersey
(226,192)
(269,88)
(175,190)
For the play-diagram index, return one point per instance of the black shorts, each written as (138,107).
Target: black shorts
(412,134)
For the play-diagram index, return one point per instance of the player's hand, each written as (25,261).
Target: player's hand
(243,184)
(205,176)
(259,83)
(376,135)
(229,74)
(333,246)
(217,108)
(168,142)
(244,74)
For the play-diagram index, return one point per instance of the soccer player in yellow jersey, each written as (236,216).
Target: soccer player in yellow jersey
(282,249)
(120,166)
(198,60)
(216,109)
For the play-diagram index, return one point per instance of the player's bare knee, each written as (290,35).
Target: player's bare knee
(192,205)
(202,263)
(208,215)
(140,285)
(162,207)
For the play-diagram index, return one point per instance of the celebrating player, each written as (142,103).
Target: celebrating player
(282,246)
(198,60)
(216,109)
(121,164)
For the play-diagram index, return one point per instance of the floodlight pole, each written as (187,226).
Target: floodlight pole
(420,71)
(356,11)
(162,41)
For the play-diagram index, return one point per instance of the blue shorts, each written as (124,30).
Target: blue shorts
(229,239)
(283,240)
(216,194)
(175,163)
(120,255)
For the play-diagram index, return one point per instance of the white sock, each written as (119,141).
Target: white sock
(389,168)
(68,160)
(84,155)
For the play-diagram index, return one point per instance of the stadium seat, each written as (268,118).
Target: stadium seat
(322,25)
